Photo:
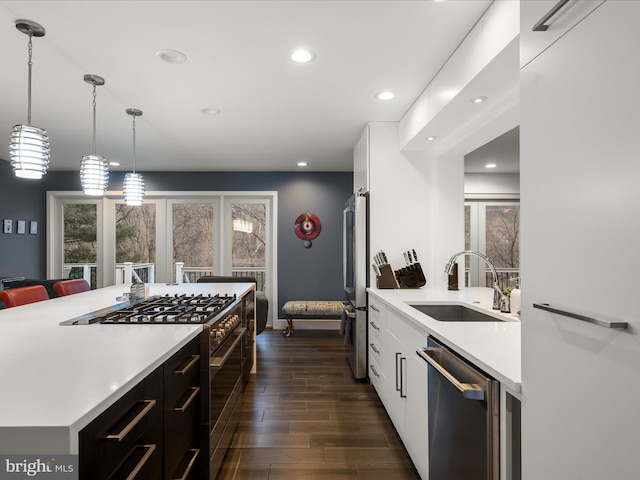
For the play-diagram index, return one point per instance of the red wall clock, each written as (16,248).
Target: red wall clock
(307,227)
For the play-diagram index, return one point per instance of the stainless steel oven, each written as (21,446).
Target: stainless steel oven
(225,390)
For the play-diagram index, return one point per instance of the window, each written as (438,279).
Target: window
(80,239)
(492,228)
(227,233)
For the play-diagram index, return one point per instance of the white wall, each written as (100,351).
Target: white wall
(491,185)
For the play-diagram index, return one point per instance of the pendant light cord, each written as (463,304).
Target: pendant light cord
(94,117)
(30,64)
(134,144)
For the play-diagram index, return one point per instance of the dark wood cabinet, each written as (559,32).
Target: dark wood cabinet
(182,397)
(153,431)
(127,437)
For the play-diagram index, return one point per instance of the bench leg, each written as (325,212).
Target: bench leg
(289,330)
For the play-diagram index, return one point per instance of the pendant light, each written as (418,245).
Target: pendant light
(29,145)
(133,185)
(94,171)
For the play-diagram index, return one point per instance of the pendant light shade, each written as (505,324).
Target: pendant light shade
(133,189)
(29,145)
(133,185)
(94,170)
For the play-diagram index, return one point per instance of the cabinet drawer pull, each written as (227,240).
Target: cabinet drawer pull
(195,452)
(373,347)
(150,449)
(123,433)
(540,26)
(399,377)
(185,405)
(373,369)
(193,361)
(374,326)
(402,385)
(374,308)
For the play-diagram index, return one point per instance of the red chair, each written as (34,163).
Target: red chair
(69,287)
(14,297)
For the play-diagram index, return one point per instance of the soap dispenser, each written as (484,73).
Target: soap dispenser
(515,300)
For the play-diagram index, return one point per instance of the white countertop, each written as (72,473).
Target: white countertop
(492,346)
(56,379)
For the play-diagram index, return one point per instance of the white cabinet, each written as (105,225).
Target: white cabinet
(400,378)
(533,12)
(412,386)
(580,197)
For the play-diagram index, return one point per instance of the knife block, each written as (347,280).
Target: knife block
(411,276)
(386,279)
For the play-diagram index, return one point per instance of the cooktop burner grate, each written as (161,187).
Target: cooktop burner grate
(166,309)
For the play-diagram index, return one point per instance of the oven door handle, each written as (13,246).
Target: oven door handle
(218,362)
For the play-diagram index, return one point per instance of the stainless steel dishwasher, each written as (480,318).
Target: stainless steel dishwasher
(463,417)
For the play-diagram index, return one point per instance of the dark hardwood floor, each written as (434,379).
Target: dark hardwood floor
(304,417)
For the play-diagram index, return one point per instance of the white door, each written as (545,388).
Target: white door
(580,209)
(247,242)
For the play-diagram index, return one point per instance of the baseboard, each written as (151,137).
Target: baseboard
(310,324)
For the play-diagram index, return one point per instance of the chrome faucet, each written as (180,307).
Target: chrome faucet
(500,301)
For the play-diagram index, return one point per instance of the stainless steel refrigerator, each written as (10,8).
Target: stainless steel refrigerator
(356,280)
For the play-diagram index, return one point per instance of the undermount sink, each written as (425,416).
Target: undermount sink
(454,313)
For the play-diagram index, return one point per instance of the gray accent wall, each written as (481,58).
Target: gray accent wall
(313,273)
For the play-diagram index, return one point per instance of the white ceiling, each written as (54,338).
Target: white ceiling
(274,112)
(504,151)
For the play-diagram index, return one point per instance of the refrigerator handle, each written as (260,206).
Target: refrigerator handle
(361,309)
(468,390)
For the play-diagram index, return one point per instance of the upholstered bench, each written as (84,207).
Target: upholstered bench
(316,309)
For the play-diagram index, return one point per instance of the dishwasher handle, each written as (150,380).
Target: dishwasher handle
(470,391)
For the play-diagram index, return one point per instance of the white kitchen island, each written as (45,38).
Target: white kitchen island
(56,379)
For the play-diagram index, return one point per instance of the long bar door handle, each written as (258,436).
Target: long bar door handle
(193,360)
(403,393)
(187,402)
(218,362)
(149,449)
(541,26)
(398,376)
(149,404)
(194,455)
(471,391)
(579,316)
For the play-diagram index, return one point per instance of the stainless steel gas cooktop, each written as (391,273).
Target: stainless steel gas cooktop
(165,309)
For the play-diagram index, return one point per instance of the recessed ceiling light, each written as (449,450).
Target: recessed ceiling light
(490,165)
(302,56)
(479,99)
(431,138)
(302,164)
(171,56)
(387,95)
(114,164)
(210,111)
